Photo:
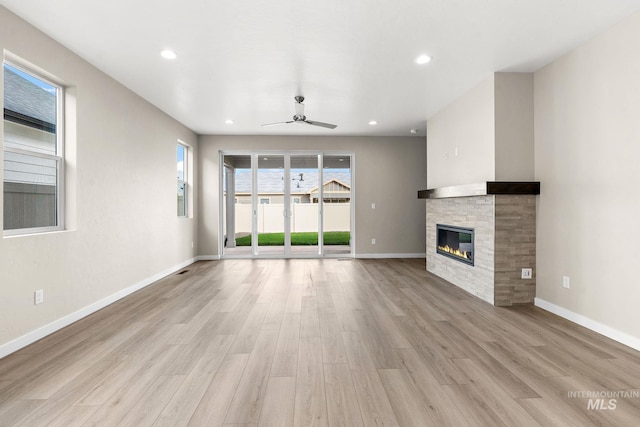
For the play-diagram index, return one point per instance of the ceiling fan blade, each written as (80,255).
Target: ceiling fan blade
(277,123)
(300,118)
(321,124)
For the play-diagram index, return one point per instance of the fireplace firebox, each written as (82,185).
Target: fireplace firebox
(455,242)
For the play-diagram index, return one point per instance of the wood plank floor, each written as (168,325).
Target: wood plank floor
(317,343)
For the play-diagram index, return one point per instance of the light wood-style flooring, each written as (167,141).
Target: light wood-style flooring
(316,343)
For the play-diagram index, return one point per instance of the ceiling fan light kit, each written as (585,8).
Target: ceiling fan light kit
(300,118)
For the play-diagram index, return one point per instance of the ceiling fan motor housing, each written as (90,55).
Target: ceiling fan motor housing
(299,116)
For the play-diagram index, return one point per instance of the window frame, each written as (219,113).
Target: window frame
(59,157)
(185,179)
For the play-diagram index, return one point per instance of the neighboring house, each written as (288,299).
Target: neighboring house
(333,191)
(304,186)
(29,181)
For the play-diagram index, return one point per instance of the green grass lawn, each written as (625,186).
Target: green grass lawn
(297,239)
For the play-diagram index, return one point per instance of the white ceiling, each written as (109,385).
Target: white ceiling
(352,59)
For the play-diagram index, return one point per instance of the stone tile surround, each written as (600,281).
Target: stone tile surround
(504,244)
(471,212)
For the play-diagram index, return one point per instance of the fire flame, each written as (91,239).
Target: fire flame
(456,252)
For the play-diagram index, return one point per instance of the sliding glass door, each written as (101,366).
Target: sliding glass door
(270,195)
(236,205)
(286,204)
(336,202)
(304,214)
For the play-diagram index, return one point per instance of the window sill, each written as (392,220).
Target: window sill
(32,233)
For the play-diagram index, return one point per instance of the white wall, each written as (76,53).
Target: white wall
(468,125)
(121,202)
(485,135)
(388,171)
(587,149)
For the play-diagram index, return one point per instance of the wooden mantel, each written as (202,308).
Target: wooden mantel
(482,189)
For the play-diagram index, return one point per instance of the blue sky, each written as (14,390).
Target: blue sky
(180,150)
(44,85)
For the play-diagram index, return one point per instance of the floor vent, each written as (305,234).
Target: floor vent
(345,259)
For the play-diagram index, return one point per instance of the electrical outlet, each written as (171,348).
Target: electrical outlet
(373,205)
(527,273)
(566,282)
(38,296)
(373,241)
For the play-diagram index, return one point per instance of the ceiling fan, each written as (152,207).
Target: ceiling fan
(299,117)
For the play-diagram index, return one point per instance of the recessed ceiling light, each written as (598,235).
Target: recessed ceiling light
(423,59)
(414,131)
(229,121)
(168,54)
(373,123)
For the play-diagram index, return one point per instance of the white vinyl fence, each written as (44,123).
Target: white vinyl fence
(304,217)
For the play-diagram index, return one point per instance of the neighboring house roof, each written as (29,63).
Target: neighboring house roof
(28,100)
(270,181)
(340,186)
(28,104)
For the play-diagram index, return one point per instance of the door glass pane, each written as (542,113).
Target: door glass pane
(237,207)
(304,210)
(271,208)
(336,196)
(181,152)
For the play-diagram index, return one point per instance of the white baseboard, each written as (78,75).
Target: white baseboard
(208,258)
(418,255)
(33,336)
(588,323)
(363,256)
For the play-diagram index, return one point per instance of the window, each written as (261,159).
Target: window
(33,152)
(265,200)
(182,179)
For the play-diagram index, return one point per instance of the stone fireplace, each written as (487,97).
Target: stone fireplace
(501,217)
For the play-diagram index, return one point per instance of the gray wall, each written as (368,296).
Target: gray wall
(120,204)
(514,157)
(388,171)
(587,133)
